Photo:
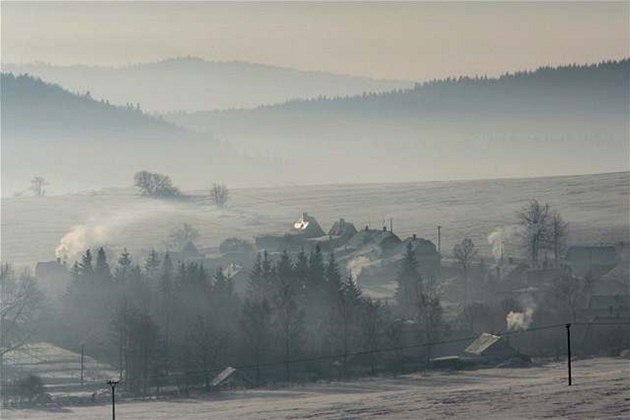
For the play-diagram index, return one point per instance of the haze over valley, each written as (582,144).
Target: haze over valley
(314,210)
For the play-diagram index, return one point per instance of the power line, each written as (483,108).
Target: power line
(356,353)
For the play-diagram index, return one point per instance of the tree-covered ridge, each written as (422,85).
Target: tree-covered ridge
(192,84)
(30,105)
(600,88)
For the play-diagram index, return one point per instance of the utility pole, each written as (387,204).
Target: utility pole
(569,351)
(440,240)
(113,384)
(391,224)
(82,349)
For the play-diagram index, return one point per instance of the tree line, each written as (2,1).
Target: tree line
(163,318)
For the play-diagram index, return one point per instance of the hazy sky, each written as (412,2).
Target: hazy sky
(414,41)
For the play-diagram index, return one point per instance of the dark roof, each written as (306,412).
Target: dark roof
(421,246)
(382,238)
(342,228)
(606,255)
(50,269)
(190,250)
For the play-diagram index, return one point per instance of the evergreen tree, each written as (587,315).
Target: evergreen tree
(333,278)
(123,271)
(316,279)
(166,279)
(300,271)
(409,283)
(288,317)
(85,266)
(101,270)
(152,265)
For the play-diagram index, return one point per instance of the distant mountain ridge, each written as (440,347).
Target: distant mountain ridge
(32,107)
(593,89)
(194,84)
(574,116)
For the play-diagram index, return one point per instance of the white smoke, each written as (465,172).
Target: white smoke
(356,265)
(519,320)
(101,230)
(79,238)
(501,236)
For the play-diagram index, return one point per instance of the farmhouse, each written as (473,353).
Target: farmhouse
(492,348)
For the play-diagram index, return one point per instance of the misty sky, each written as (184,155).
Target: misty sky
(395,40)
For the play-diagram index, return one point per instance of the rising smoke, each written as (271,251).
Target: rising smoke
(501,237)
(105,229)
(356,265)
(519,320)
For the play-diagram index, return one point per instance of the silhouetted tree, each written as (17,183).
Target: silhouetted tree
(37,186)
(219,194)
(155,185)
(464,253)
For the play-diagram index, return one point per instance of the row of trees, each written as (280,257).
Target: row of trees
(543,230)
(165,319)
(157,185)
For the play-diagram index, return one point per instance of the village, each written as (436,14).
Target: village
(478,337)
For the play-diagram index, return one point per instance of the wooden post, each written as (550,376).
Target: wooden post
(82,351)
(569,351)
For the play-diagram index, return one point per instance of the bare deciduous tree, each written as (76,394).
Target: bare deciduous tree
(219,194)
(556,236)
(464,254)
(534,218)
(37,186)
(181,235)
(20,304)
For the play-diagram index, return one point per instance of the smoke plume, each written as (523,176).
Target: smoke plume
(519,320)
(79,238)
(356,265)
(104,228)
(501,236)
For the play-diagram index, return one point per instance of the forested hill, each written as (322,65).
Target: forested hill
(193,84)
(574,90)
(33,108)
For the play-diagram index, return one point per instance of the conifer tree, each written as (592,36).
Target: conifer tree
(409,283)
(85,267)
(102,271)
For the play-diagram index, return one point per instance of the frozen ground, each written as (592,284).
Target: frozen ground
(596,207)
(601,390)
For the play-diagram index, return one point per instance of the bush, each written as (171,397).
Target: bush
(155,185)
(28,389)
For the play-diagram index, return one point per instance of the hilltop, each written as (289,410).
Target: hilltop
(194,84)
(32,107)
(454,128)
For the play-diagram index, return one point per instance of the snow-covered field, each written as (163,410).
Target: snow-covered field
(596,207)
(601,390)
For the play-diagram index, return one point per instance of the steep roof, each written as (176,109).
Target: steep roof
(342,228)
(482,343)
(382,238)
(421,246)
(306,226)
(189,250)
